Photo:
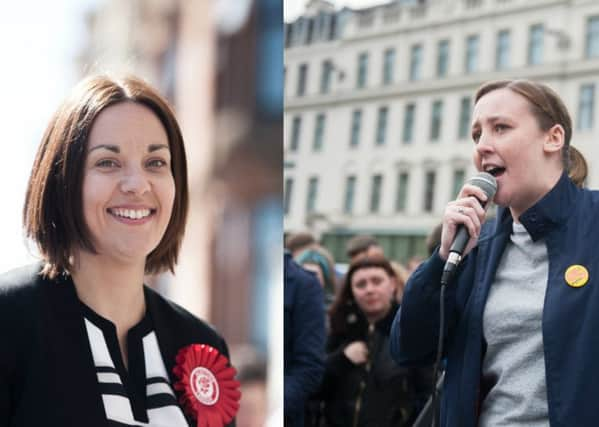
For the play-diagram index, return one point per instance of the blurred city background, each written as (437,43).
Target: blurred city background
(378,98)
(220,64)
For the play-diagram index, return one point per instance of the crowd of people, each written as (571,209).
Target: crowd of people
(360,384)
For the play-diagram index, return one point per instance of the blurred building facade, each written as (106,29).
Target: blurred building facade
(378,104)
(206,57)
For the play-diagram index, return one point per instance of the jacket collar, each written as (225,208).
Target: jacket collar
(549,213)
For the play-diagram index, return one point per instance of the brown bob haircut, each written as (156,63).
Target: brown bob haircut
(53,211)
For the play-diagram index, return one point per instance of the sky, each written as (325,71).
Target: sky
(293,8)
(38,50)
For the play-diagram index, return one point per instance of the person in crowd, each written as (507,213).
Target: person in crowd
(362,385)
(519,314)
(297,243)
(319,261)
(361,246)
(304,339)
(84,342)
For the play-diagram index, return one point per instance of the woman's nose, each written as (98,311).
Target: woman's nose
(135,182)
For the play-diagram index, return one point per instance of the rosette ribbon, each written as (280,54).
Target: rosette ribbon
(209,391)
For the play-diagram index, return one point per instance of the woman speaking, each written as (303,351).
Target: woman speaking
(520,339)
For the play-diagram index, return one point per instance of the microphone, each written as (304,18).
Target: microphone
(486,182)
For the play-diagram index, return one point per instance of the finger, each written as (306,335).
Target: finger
(467,217)
(472,190)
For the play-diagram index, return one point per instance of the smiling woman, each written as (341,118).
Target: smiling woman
(106,203)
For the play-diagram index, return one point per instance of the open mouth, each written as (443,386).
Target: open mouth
(496,171)
(131,214)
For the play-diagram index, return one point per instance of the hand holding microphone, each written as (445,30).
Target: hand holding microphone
(463,219)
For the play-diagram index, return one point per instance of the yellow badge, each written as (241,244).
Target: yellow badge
(576,276)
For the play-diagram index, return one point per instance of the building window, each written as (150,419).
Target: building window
(442,58)
(415,62)
(459,175)
(312,194)
(464,124)
(326,76)
(375,193)
(403,179)
(408,123)
(502,50)
(356,124)
(302,80)
(535,45)
(388,65)
(429,191)
(381,126)
(350,191)
(592,43)
(296,127)
(288,195)
(436,120)
(362,70)
(471,64)
(586,107)
(319,132)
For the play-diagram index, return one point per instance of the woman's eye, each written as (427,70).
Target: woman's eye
(500,127)
(157,163)
(106,163)
(475,137)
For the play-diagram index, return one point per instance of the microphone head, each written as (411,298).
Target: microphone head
(486,182)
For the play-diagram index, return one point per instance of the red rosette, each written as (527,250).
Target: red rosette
(207,384)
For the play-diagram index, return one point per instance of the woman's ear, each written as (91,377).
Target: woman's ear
(554,140)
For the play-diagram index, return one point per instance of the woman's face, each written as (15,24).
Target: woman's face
(373,290)
(510,144)
(128,188)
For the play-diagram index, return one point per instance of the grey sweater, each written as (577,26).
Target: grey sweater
(514,363)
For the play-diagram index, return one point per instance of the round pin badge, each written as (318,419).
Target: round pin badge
(576,276)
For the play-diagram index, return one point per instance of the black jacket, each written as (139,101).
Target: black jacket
(388,395)
(47,375)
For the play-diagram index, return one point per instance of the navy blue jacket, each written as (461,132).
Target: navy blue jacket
(567,217)
(304,339)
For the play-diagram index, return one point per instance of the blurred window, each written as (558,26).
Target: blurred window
(325,76)
(356,124)
(535,45)
(408,123)
(319,132)
(302,80)
(464,123)
(436,120)
(403,180)
(388,65)
(459,175)
(350,191)
(429,190)
(312,195)
(586,107)
(442,58)
(362,70)
(375,193)
(288,195)
(416,62)
(592,42)
(502,51)
(471,64)
(381,127)
(296,126)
